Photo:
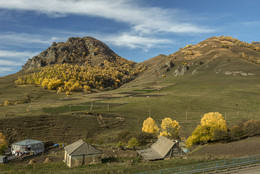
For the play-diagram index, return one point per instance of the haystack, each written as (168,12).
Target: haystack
(32,161)
(48,160)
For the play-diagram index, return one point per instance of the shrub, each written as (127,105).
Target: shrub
(121,144)
(132,143)
(220,135)
(251,127)
(237,131)
(6,103)
(124,136)
(145,138)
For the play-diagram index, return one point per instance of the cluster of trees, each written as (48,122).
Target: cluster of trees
(213,127)
(68,77)
(3,144)
(169,128)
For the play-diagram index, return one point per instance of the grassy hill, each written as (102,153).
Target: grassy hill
(220,74)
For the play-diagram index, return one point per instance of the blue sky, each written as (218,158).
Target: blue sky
(134,29)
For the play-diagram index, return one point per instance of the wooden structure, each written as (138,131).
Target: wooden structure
(163,148)
(80,153)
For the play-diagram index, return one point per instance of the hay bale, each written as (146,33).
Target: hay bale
(32,161)
(48,160)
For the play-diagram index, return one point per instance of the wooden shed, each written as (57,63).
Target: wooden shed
(163,148)
(80,153)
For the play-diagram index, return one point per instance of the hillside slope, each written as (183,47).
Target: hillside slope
(231,55)
(207,77)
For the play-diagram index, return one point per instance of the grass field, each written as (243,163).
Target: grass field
(184,98)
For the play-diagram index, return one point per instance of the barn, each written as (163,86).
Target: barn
(163,148)
(80,153)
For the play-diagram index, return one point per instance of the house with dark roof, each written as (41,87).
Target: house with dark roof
(80,153)
(163,148)
(27,146)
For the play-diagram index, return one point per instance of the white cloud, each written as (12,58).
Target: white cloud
(5,69)
(15,54)
(134,41)
(142,19)
(10,63)
(23,39)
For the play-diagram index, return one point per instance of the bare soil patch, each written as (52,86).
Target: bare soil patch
(246,147)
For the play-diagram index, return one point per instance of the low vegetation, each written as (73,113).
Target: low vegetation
(3,144)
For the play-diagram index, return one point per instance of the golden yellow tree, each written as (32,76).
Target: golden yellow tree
(170,128)
(3,144)
(210,123)
(149,126)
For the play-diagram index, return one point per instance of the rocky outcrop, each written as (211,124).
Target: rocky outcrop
(238,73)
(180,70)
(75,51)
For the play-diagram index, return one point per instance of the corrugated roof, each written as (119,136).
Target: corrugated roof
(158,150)
(27,142)
(150,154)
(81,148)
(163,145)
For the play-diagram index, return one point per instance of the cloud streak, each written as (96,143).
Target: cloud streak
(133,41)
(23,39)
(14,54)
(143,20)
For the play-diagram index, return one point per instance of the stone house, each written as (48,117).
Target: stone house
(80,153)
(27,146)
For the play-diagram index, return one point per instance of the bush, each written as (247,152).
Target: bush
(237,131)
(251,127)
(132,143)
(3,147)
(121,144)
(220,135)
(145,138)
(124,136)
(6,103)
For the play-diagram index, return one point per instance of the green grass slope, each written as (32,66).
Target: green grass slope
(223,82)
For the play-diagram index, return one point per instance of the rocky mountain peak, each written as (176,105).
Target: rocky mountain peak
(74,51)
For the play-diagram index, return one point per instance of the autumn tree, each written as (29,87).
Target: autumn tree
(210,123)
(169,128)
(149,126)
(3,144)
